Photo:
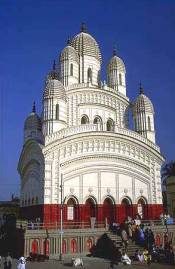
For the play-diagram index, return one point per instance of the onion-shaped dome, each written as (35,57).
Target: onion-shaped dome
(116,63)
(143,103)
(85,44)
(54,87)
(33,121)
(69,53)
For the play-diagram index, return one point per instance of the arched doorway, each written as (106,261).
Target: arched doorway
(142,208)
(126,208)
(108,210)
(89,244)
(98,120)
(72,210)
(73,246)
(90,209)
(46,247)
(34,246)
(84,119)
(110,125)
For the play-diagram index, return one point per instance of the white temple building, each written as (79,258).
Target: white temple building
(83,143)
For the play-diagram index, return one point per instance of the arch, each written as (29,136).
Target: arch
(71,69)
(109,209)
(89,244)
(72,209)
(90,209)
(46,247)
(84,119)
(142,207)
(89,75)
(73,246)
(34,249)
(149,123)
(120,79)
(57,112)
(126,207)
(110,125)
(97,119)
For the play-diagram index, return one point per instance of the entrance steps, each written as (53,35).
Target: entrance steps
(132,246)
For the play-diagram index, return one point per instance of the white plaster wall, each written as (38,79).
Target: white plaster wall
(90,185)
(141,188)
(108,185)
(125,186)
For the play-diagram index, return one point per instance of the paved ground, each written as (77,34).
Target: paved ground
(89,263)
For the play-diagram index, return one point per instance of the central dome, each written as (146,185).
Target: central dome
(85,44)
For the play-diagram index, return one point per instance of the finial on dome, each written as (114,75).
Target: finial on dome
(34,107)
(54,65)
(68,41)
(141,88)
(114,51)
(53,74)
(83,27)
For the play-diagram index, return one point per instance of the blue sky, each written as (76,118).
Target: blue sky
(34,32)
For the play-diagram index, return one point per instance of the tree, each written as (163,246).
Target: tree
(168,170)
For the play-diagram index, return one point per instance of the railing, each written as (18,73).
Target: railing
(57,225)
(97,128)
(90,85)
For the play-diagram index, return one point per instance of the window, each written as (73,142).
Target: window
(110,125)
(84,120)
(149,124)
(97,120)
(71,69)
(89,75)
(57,112)
(120,79)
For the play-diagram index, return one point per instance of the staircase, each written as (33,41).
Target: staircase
(132,247)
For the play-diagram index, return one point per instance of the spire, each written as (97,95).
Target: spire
(68,41)
(34,107)
(141,88)
(114,51)
(83,28)
(54,65)
(53,74)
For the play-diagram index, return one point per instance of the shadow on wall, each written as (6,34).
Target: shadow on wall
(105,248)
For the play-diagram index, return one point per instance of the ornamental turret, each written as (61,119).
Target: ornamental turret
(116,73)
(69,65)
(143,116)
(33,127)
(54,104)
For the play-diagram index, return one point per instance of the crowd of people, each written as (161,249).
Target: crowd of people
(6,262)
(134,230)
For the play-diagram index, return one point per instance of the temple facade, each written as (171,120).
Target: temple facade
(81,153)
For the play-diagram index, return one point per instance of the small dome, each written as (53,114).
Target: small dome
(116,63)
(69,53)
(143,104)
(33,122)
(85,44)
(54,88)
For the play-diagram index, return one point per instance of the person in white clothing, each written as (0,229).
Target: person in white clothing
(125,259)
(21,263)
